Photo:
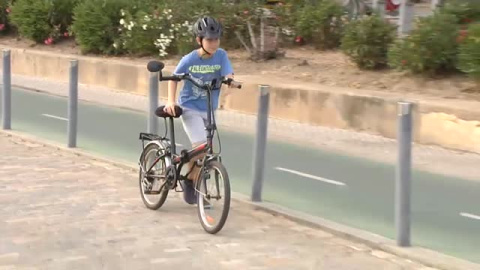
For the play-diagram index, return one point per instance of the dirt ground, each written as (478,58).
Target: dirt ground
(304,64)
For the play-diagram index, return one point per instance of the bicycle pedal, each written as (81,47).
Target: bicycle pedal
(151,192)
(177,189)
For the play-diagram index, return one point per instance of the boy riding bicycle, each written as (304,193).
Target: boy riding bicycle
(207,63)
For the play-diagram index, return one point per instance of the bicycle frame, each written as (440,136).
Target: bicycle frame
(186,155)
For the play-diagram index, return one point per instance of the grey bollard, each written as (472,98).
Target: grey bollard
(260,143)
(7,92)
(73,104)
(152,126)
(405,22)
(403,174)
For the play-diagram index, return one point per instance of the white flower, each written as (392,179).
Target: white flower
(169,17)
(122,12)
(144,27)
(147,18)
(115,45)
(122,21)
(171,30)
(132,24)
(169,11)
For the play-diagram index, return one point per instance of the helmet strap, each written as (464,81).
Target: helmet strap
(201,45)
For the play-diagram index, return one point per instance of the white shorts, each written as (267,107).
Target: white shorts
(194,123)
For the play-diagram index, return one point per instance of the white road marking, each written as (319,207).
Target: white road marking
(174,250)
(467,215)
(55,117)
(325,180)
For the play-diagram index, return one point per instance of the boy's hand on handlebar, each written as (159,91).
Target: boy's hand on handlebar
(235,84)
(170,108)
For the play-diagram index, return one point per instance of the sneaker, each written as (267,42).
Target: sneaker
(189,192)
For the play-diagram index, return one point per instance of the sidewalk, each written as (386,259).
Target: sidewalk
(63,211)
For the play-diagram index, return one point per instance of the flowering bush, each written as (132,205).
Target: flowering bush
(148,32)
(31,17)
(42,20)
(465,12)
(96,24)
(5,9)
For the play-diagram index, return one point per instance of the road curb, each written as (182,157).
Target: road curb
(421,255)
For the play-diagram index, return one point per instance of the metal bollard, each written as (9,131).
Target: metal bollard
(403,174)
(73,104)
(379,7)
(405,22)
(7,92)
(260,143)
(436,3)
(152,126)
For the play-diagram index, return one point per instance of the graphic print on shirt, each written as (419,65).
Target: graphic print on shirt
(202,69)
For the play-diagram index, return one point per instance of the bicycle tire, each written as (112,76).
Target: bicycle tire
(226,209)
(164,193)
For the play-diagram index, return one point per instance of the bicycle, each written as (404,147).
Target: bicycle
(159,181)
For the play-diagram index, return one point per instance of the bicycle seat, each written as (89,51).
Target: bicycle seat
(160,113)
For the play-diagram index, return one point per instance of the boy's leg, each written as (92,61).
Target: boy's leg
(194,126)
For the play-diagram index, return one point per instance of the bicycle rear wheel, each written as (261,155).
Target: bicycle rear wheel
(152,188)
(213,197)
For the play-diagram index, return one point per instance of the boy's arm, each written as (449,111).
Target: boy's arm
(172,88)
(172,91)
(227,69)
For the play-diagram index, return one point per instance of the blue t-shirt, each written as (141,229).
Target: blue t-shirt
(206,70)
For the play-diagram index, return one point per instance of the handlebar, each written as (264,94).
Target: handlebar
(156,66)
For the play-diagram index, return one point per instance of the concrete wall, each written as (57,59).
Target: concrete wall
(450,126)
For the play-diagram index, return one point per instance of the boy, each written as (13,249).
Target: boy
(206,63)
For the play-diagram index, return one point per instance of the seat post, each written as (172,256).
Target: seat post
(172,135)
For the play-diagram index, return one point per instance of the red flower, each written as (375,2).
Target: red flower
(299,39)
(65,34)
(245,12)
(48,41)
(8,10)
(2,27)
(460,39)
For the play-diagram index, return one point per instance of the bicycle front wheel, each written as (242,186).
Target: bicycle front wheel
(213,195)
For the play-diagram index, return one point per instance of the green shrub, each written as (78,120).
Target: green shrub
(32,19)
(96,24)
(321,24)
(465,11)
(43,20)
(469,52)
(430,48)
(366,41)
(5,9)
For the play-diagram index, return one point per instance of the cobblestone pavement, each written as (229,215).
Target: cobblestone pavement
(64,211)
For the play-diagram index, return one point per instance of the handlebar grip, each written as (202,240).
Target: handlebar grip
(170,78)
(236,84)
